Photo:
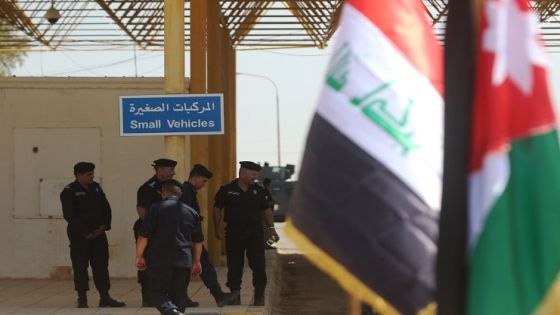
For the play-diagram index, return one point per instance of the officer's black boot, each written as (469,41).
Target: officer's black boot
(106,300)
(221,297)
(259,297)
(236,300)
(191,303)
(82,299)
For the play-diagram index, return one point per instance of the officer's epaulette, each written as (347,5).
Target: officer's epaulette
(260,184)
(259,187)
(152,184)
(68,186)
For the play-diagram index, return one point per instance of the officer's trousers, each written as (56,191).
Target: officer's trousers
(143,278)
(238,243)
(95,253)
(168,288)
(209,276)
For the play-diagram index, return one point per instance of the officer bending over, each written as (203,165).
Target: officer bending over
(173,231)
(88,214)
(148,194)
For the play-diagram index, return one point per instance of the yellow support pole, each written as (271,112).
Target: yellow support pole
(221,79)
(174,65)
(215,143)
(231,109)
(199,144)
(354,305)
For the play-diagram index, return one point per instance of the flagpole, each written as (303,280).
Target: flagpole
(354,305)
(451,270)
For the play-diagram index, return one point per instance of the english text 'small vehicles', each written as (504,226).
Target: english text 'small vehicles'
(281,188)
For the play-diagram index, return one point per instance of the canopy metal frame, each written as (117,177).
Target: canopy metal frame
(251,24)
(119,24)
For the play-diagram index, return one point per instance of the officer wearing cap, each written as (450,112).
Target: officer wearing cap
(172,229)
(198,177)
(244,205)
(148,194)
(88,214)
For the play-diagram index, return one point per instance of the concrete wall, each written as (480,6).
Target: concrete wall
(46,125)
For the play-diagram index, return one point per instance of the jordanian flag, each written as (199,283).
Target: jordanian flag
(514,171)
(367,202)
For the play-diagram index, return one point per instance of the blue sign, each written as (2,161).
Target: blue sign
(172,114)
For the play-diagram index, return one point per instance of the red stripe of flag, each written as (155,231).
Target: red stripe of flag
(396,19)
(503,112)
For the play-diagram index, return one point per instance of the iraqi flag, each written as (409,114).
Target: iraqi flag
(367,202)
(514,170)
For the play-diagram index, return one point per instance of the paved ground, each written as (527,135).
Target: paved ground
(304,290)
(301,288)
(295,287)
(45,297)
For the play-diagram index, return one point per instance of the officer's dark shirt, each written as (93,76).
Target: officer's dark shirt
(149,193)
(171,227)
(189,196)
(242,208)
(269,198)
(85,209)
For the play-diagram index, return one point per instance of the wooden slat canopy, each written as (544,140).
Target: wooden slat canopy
(547,10)
(251,24)
(114,24)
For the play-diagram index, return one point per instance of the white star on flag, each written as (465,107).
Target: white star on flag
(513,35)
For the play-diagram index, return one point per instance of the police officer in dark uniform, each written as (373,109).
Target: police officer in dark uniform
(198,177)
(88,214)
(148,194)
(173,231)
(245,205)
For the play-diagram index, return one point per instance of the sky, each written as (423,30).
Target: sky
(298,74)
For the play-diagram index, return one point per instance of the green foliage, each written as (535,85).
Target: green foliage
(10,58)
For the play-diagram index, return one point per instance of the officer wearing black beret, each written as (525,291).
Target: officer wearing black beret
(172,229)
(250,166)
(198,177)
(88,214)
(244,205)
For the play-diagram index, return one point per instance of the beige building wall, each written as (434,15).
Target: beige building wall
(47,125)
